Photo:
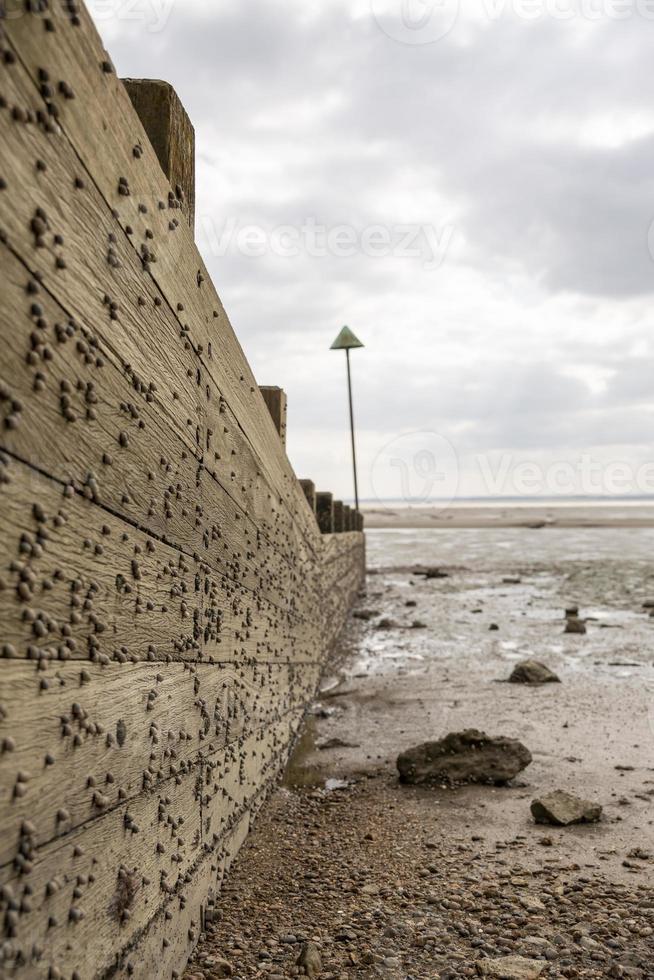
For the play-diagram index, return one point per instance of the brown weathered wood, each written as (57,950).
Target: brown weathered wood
(159,839)
(76,53)
(80,584)
(275,399)
(343,574)
(325,512)
(171,133)
(81,910)
(79,410)
(169,946)
(339,517)
(136,723)
(163,583)
(309,488)
(146,356)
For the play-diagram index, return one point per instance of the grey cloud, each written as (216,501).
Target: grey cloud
(313,112)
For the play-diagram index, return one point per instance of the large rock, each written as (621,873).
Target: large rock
(532,672)
(511,968)
(464,757)
(561,809)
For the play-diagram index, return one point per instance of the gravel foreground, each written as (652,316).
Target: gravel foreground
(408,882)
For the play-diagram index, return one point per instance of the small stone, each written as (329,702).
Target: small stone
(532,904)
(510,968)
(387,624)
(310,960)
(575,625)
(532,672)
(433,572)
(562,809)
(218,966)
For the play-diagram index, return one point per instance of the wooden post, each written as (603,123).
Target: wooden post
(171,133)
(309,488)
(325,512)
(338,517)
(275,399)
(347,517)
(359,521)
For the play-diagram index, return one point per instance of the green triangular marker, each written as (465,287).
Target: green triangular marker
(346,340)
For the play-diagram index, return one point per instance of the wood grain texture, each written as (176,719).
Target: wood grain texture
(146,208)
(275,399)
(171,134)
(114,446)
(325,511)
(97,736)
(110,305)
(167,601)
(89,895)
(77,583)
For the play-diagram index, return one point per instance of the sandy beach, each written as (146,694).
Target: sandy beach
(536,515)
(441,883)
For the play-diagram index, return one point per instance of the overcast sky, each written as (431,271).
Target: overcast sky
(471,191)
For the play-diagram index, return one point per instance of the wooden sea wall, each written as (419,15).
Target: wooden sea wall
(167,600)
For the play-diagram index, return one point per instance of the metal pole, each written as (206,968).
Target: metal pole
(354,454)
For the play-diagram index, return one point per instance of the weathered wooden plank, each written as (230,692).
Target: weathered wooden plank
(77,583)
(169,947)
(325,512)
(134,188)
(81,417)
(343,576)
(81,912)
(171,133)
(309,490)
(97,736)
(275,399)
(182,589)
(109,277)
(168,942)
(234,774)
(84,897)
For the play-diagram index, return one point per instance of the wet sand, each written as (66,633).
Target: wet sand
(407,882)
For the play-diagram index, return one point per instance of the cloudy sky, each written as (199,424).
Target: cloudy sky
(471,190)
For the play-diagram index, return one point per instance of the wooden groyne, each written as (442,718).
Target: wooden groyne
(167,598)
